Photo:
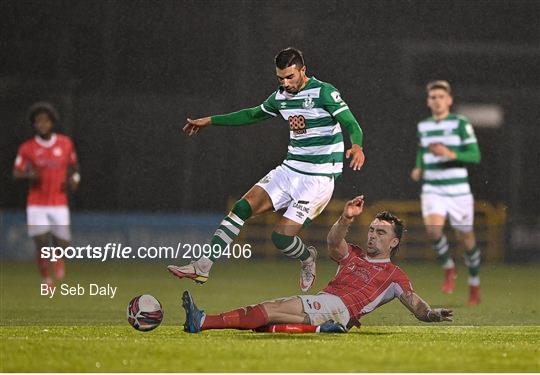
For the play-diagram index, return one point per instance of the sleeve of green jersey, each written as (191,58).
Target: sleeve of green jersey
(419,154)
(469,151)
(248,116)
(332,102)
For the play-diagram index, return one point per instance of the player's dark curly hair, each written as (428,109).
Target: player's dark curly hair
(397,225)
(41,107)
(289,57)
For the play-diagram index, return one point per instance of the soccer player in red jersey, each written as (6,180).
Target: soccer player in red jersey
(49,162)
(364,281)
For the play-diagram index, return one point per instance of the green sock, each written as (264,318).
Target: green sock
(472,260)
(231,225)
(443,255)
(290,246)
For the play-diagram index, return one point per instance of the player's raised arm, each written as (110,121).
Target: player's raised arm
(422,311)
(337,246)
(246,116)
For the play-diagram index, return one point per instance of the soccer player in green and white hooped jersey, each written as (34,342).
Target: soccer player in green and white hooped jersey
(304,182)
(447,143)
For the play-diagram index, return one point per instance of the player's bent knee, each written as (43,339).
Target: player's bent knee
(434,233)
(242,209)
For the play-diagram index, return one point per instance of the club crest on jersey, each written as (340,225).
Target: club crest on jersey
(308,103)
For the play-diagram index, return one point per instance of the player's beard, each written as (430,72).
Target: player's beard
(372,251)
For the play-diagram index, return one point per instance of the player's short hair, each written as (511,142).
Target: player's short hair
(289,57)
(397,225)
(439,84)
(43,107)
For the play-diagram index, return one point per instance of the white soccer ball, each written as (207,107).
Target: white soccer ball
(144,312)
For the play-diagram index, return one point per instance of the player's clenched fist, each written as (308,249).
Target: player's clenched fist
(353,207)
(357,155)
(193,126)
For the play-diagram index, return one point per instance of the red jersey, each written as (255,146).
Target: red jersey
(363,284)
(50,159)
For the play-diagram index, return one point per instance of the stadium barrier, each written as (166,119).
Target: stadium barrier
(142,229)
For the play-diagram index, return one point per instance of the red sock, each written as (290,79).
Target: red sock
(249,317)
(288,328)
(59,270)
(43,265)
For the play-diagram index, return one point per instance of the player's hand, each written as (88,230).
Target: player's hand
(357,157)
(74,181)
(439,149)
(353,208)
(194,126)
(416,174)
(441,315)
(32,175)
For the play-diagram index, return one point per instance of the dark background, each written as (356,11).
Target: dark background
(125,74)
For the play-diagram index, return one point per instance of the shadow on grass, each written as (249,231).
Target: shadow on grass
(310,336)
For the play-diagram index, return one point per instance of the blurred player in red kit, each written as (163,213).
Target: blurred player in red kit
(49,162)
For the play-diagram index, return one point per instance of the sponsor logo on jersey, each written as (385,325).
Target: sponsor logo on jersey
(264,180)
(308,103)
(297,124)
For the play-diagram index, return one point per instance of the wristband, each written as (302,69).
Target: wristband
(76,177)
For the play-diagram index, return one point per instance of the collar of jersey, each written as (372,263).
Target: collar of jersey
(371,260)
(449,117)
(309,83)
(45,143)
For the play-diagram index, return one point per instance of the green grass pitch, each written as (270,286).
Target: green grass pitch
(91,334)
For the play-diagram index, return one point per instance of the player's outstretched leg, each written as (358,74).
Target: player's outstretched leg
(249,317)
(227,231)
(327,327)
(293,247)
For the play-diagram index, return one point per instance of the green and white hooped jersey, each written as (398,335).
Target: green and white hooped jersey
(441,175)
(315,139)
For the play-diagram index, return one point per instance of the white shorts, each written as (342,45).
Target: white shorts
(459,209)
(45,219)
(304,196)
(323,307)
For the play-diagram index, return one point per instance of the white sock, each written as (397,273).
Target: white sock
(204,264)
(474,280)
(449,264)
